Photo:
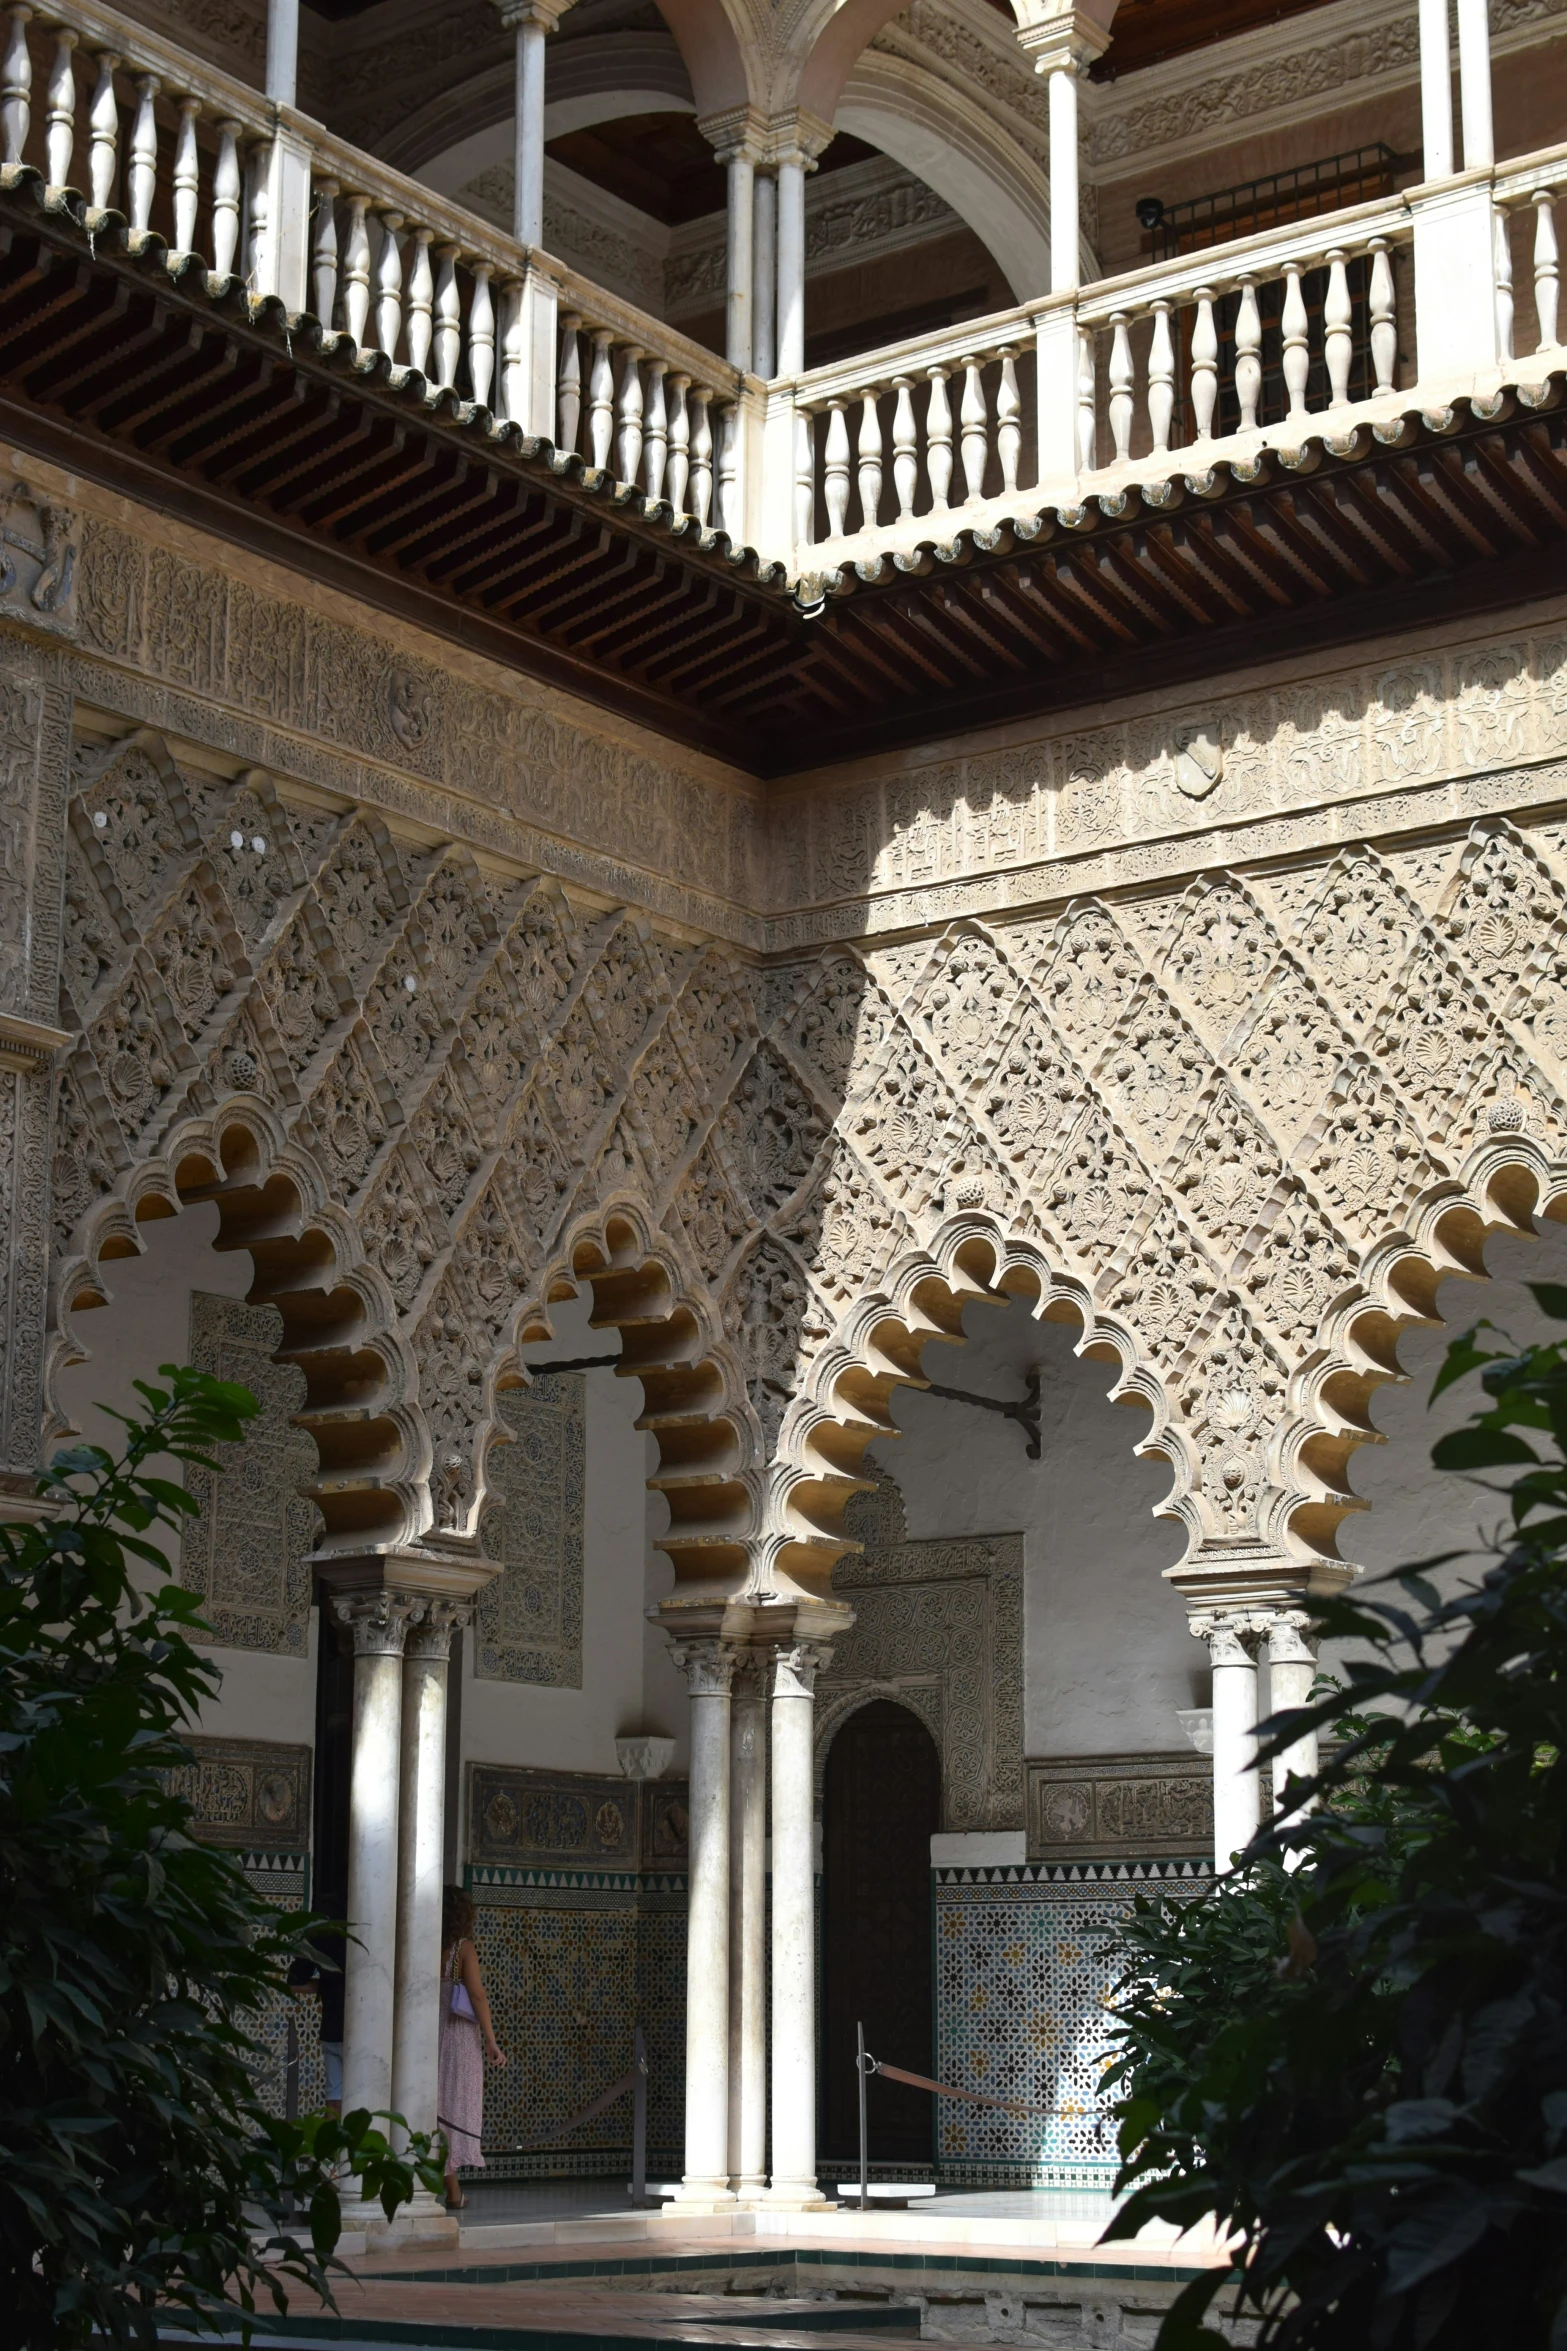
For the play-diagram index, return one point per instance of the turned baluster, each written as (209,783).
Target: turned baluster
(601,400)
(481,336)
(701,455)
(1338,320)
(1503,249)
(323,253)
(16,87)
(1248,355)
(60,117)
(1009,422)
(1122,383)
(104,123)
(729,471)
(1384,321)
(1087,415)
(225,201)
(655,432)
(568,383)
(1205,365)
(143,175)
(870,461)
(389,286)
(421,303)
(628,419)
(1546,275)
(973,427)
(356,271)
(804,478)
(257,208)
(905,447)
(1297,348)
(677,471)
(938,442)
(187,176)
(513,390)
(447,344)
(835,463)
(1161,378)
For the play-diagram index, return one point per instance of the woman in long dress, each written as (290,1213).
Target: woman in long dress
(467,2038)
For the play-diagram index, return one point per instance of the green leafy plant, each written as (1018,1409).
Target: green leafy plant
(139,2171)
(1354,2051)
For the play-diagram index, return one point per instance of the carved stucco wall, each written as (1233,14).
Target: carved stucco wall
(247,1557)
(1212,1089)
(938,1626)
(528,1623)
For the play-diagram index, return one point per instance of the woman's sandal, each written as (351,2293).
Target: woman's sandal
(456,2203)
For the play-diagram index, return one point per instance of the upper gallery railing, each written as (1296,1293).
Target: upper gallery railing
(1349,314)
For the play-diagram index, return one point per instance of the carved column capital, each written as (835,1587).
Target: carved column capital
(1291,1636)
(1231,1639)
(378,1621)
(796,1665)
(707,1663)
(430,1633)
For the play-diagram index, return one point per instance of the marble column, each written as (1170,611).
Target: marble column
(1436,91)
(738,330)
(793,164)
(532,21)
(748,1929)
(708,1665)
(794,1925)
(421,1823)
(1474,83)
(378,1622)
(1292,1668)
(282,51)
(1237,1789)
(764,277)
(1065,196)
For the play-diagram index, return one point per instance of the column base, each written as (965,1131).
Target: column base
(699,2195)
(798,2196)
(423,2221)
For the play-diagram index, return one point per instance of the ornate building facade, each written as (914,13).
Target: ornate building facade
(576,911)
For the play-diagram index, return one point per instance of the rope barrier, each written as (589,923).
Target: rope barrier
(919,2081)
(589,2113)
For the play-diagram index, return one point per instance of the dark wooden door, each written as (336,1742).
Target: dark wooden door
(883,1802)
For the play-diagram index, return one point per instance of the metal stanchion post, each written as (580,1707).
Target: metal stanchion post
(859,2067)
(639,2119)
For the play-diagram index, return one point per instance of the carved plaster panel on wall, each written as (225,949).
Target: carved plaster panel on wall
(1119,1807)
(248,1555)
(939,1628)
(519,1818)
(252,1794)
(528,1622)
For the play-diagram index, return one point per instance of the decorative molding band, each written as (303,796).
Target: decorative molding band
(1081,1873)
(252,1795)
(524,1821)
(1101,1807)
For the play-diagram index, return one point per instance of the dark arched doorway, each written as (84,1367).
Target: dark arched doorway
(882,1805)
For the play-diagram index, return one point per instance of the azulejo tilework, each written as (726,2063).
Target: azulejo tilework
(1025,1960)
(573,1960)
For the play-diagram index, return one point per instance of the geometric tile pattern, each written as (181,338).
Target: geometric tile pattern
(573,1961)
(1024,1964)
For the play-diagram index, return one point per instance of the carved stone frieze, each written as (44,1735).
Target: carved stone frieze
(251,1794)
(1119,1807)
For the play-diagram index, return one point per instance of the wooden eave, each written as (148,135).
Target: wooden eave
(182,392)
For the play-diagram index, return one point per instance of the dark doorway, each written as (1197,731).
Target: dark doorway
(883,1803)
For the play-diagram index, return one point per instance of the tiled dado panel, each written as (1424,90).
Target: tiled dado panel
(581,1890)
(1025,1959)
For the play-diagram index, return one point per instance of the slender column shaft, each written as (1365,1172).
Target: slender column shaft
(794,1927)
(379,1623)
(282,51)
(1474,82)
(708,1666)
(421,1821)
(738,328)
(764,289)
(748,1933)
(528,212)
(1236,1788)
(1065,202)
(790,352)
(1292,1668)
(1436,90)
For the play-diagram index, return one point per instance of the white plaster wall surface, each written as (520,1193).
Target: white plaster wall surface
(145,1324)
(1108,1660)
(628,1680)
